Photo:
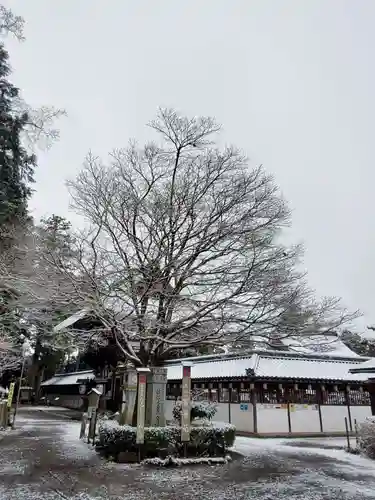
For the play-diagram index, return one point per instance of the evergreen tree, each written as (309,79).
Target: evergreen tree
(16,164)
(21,128)
(16,175)
(359,344)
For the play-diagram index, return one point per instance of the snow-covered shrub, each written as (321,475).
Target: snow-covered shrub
(366,441)
(178,462)
(108,415)
(199,410)
(115,438)
(212,440)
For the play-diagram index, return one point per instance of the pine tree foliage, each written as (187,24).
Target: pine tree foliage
(22,128)
(16,164)
(359,344)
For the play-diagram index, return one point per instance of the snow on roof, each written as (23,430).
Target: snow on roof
(71,320)
(69,378)
(227,368)
(320,344)
(305,368)
(366,367)
(96,391)
(271,366)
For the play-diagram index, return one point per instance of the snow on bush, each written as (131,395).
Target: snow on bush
(212,440)
(178,462)
(366,440)
(108,415)
(199,410)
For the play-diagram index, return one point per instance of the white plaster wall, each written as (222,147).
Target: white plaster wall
(359,413)
(333,418)
(222,413)
(304,418)
(242,419)
(272,420)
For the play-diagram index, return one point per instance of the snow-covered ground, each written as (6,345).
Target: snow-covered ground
(44,459)
(335,470)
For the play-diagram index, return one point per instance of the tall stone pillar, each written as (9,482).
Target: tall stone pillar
(156,395)
(129,396)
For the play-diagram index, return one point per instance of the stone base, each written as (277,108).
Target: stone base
(127,457)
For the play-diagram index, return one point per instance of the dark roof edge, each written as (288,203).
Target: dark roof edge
(362,370)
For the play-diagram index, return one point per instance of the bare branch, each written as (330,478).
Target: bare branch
(10,357)
(10,23)
(40,124)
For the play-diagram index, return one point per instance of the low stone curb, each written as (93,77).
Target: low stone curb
(61,414)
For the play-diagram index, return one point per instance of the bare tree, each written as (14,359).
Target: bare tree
(29,290)
(182,247)
(40,130)
(10,357)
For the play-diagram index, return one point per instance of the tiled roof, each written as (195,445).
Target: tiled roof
(272,366)
(319,344)
(69,378)
(366,367)
(305,368)
(227,368)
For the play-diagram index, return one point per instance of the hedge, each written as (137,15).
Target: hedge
(211,440)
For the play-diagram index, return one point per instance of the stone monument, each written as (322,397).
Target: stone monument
(155,399)
(129,395)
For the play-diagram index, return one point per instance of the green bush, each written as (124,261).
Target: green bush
(212,440)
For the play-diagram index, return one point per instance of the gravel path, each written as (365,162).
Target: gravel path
(44,459)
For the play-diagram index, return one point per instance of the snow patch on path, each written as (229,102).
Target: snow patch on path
(340,458)
(69,444)
(66,437)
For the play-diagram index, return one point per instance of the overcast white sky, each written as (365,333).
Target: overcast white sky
(292,82)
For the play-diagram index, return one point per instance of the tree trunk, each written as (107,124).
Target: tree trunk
(37,384)
(35,368)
